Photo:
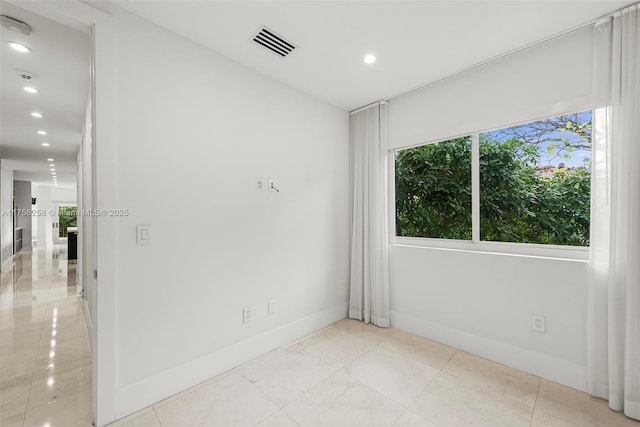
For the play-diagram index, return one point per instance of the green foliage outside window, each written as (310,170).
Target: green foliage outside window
(433,190)
(523,198)
(68,217)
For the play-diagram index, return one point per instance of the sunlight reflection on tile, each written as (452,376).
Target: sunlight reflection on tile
(341,400)
(392,374)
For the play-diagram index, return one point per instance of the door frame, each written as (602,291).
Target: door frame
(102,180)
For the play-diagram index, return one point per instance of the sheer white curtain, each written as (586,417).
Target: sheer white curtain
(614,294)
(369,297)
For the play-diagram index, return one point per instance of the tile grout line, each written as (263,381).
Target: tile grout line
(289,415)
(153,409)
(434,377)
(35,360)
(271,414)
(535,404)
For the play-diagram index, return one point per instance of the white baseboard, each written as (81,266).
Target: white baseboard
(542,365)
(141,394)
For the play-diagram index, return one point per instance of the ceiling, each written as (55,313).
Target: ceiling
(416,42)
(59,63)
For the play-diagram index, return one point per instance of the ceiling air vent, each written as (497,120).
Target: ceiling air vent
(270,40)
(25,75)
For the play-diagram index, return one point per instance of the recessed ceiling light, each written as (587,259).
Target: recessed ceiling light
(369,59)
(45,144)
(19,47)
(31,89)
(50,159)
(51,164)
(42,132)
(37,115)
(52,169)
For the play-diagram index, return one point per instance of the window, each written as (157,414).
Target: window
(535,182)
(68,217)
(532,184)
(433,190)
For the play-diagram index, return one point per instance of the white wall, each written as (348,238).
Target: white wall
(22,194)
(6,221)
(64,195)
(483,302)
(551,78)
(42,193)
(194,131)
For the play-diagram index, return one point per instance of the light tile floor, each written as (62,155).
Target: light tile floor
(351,374)
(45,356)
(348,374)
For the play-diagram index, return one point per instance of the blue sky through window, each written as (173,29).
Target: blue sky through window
(555,143)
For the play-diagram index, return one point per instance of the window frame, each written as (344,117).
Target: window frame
(572,253)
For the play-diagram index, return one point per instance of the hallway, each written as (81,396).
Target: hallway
(45,355)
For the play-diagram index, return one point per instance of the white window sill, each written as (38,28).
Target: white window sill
(556,252)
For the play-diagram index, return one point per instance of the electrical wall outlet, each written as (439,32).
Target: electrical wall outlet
(261,184)
(246,315)
(538,323)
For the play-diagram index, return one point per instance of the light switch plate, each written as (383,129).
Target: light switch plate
(143,234)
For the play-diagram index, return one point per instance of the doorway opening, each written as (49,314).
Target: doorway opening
(67,217)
